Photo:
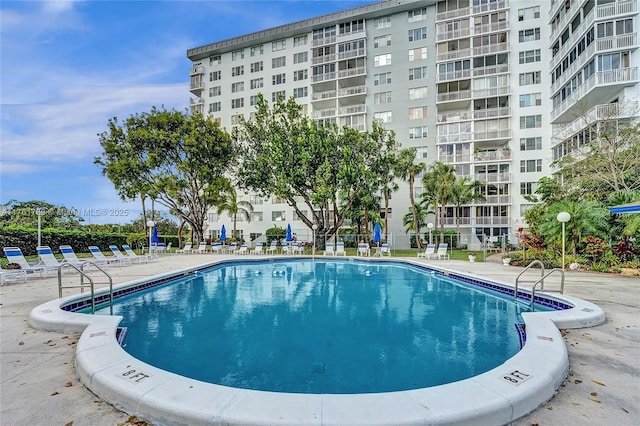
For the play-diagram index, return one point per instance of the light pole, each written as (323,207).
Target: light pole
(563,217)
(150,225)
(39,212)
(313,248)
(430,226)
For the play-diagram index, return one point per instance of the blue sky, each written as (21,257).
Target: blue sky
(66,67)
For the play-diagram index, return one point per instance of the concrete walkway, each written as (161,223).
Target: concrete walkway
(39,385)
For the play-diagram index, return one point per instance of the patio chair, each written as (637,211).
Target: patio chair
(273,248)
(442,251)
(340,251)
(47,257)
(385,250)
(216,248)
(259,249)
(118,255)
(100,259)
(233,247)
(186,249)
(329,249)
(364,250)
(244,249)
(144,258)
(12,276)
(428,252)
(202,248)
(298,248)
(14,255)
(70,256)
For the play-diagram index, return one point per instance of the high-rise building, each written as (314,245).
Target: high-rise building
(493,88)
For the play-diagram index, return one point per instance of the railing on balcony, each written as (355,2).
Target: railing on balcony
(323,59)
(492,221)
(495,69)
(493,91)
(490,6)
(452,117)
(324,77)
(196,85)
(492,135)
(354,53)
(493,177)
(323,40)
(324,113)
(453,75)
(196,101)
(490,48)
(495,199)
(489,28)
(624,109)
(454,96)
(456,137)
(491,113)
(463,157)
(351,72)
(454,54)
(352,109)
(352,91)
(450,14)
(327,94)
(198,69)
(448,35)
(492,155)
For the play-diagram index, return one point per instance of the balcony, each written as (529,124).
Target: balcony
(323,40)
(492,135)
(490,28)
(490,48)
(352,91)
(451,14)
(196,86)
(491,113)
(196,101)
(492,221)
(327,94)
(461,157)
(352,72)
(450,35)
(500,155)
(324,113)
(353,109)
(454,96)
(597,113)
(453,117)
(455,54)
(453,75)
(196,70)
(354,53)
(495,199)
(491,6)
(495,69)
(566,18)
(603,79)
(323,59)
(454,138)
(324,77)
(493,177)
(493,91)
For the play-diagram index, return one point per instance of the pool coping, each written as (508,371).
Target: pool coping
(499,396)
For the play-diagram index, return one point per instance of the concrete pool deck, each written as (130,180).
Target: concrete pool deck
(40,386)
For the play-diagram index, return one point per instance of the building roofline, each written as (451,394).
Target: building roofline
(305,26)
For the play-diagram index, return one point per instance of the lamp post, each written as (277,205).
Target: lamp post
(39,212)
(150,225)
(563,217)
(313,248)
(430,226)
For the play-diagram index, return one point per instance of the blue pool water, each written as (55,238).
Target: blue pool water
(323,326)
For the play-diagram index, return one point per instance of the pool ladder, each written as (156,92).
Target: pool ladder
(538,281)
(82,284)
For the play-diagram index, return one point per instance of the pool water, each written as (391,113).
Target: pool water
(323,326)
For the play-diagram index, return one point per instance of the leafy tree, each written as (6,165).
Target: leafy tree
(439,183)
(173,158)
(25,213)
(229,203)
(165,225)
(285,153)
(406,168)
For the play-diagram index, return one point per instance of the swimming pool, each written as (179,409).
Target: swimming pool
(323,326)
(511,390)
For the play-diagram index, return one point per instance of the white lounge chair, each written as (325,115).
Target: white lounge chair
(298,248)
(233,248)
(428,252)
(364,250)
(143,258)
(12,276)
(259,249)
(244,249)
(202,248)
(340,251)
(385,250)
(329,249)
(70,255)
(100,259)
(273,248)
(14,255)
(118,255)
(216,248)
(442,251)
(47,257)
(188,248)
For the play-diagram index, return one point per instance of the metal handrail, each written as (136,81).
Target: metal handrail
(529,266)
(541,280)
(83,285)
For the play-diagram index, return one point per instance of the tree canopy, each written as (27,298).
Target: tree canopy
(176,159)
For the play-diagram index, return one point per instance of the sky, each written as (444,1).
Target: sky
(67,67)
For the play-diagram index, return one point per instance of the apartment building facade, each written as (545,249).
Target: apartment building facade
(465,82)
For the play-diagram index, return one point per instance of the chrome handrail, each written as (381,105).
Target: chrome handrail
(83,285)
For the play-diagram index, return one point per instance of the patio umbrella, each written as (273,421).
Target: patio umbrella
(626,208)
(289,237)
(223,234)
(154,236)
(376,234)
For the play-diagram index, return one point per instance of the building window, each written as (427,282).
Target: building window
(257,83)
(215,75)
(380,23)
(529,56)
(257,50)
(276,96)
(528,188)
(297,217)
(215,91)
(278,216)
(300,75)
(528,78)
(278,79)
(418,34)
(382,78)
(300,92)
(212,217)
(419,53)
(257,66)
(530,99)
(529,13)
(382,98)
(253,100)
(236,119)
(530,121)
(237,87)
(237,103)
(383,117)
(215,60)
(417,14)
(235,71)
(278,45)
(529,35)
(531,144)
(257,217)
(301,57)
(383,40)
(255,200)
(418,93)
(418,132)
(417,73)
(417,113)
(278,62)
(530,166)
(421,152)
(214,107)
(300,40)
(237,55)
(351,27)
(381,60)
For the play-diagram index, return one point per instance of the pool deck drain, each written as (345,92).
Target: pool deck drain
(37,365)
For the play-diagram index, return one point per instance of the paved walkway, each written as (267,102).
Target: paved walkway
(39,385)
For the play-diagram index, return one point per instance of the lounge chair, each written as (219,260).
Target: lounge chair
(233,247)
(273,248)
(442,251)
(340,251)
(144,258)
(70,256)
(385,250)
(118,255)
(329,249)
(14,255)
(428,252)
(244,249)
(202,248)
(363,249)
(12,276)
(188,248)
(47,257)
(216,248)
(100,259)
(259,249)
(298,248)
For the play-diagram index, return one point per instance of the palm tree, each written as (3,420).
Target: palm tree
(407,169)
(408,220)
(464,192)
(439,182)
(234,207)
